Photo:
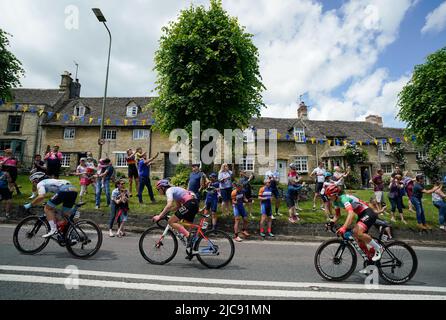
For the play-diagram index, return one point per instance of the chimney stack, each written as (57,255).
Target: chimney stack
(302,111)
(70,88)
(375,120)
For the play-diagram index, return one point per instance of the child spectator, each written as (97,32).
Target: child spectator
(378,187)
(5,192)
(294,179)
(294,186)
(54,162)
(438,199)
(105,175)
(395,196)
(265,194)
(132,170)
(247,189)
(81,172)
(118,203)
(38,166)
(211,201)
(238,199)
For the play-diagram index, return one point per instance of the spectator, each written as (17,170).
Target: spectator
(122,208)
(294,179)
(319,173)
(139,154)
(224,177)
(418,190)
(274,177)
(144,176)
(132,170)
(397,170)
(408,183)
(365,178)
(81,172)
(380,224)
(438,199)
(339,176)
(265,195)
(245,180)
(196,180)
(92,166)
(105,175)
(238,199)
(91,159)
(10,164)
(38,166)
(211,203)
(116,204)
(54,162)
(5,186)
(378,187)
(395,196)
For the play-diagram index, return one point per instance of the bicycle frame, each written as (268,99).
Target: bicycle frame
(198,227)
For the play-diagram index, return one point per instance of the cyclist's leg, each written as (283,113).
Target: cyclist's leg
(174,222)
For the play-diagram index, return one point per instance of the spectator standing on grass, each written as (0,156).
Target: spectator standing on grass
(294,179)
(265,195)
(274,177)
(238,201)
(365,178)
(378,187)
(418,190)
(319,173)
(81,172)
(132,170)
(54,162)
(105,176)
(144,176)
(438,200)
(10,164)
(408,182)
(395,197)
(5,192)
(92,166)
(38,166)
(211,203)
(119,202)
(339,176)
(245,180)
(225,179)
(196,180)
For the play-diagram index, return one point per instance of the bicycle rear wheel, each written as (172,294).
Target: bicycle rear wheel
(84,239)
(335,260)
(28,234)
(398,263)
(215,250)
(156,249)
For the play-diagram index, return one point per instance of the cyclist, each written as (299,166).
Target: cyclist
(366,218)
(183,202)
(64,193)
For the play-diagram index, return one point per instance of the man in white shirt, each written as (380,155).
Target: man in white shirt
(319,173)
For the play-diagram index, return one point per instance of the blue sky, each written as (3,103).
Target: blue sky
(349,57)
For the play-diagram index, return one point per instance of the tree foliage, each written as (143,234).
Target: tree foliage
(399,155)
(431,166)
(423,103)
(208,70)
(10,68)
(354,155)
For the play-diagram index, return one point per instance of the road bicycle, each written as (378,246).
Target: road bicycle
(82,238)
(336,259)
(213,248)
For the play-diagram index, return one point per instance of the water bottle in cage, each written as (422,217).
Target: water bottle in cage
(205,225)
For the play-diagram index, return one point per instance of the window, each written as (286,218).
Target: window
(387,168)
(299,133)
(301,164)
(421,155)
(248,135)
(14,123)
(66,159)
(120,160)
(79,110)
(109,135)
(248,164)
(140,134)
(382,147)
(5,144)
(69,133)
(132,110)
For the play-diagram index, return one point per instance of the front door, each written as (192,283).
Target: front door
(365,176)
(282,168)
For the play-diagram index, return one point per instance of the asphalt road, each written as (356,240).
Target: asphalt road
(259,270)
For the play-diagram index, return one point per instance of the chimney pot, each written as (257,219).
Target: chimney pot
(302,111)
(375,119)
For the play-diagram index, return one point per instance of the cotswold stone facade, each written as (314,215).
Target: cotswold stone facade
(73,123)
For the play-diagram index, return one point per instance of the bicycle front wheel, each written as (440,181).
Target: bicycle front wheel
(215,250)
(84,239)
(28,234)
(157,249)
(335,260)
(398,263)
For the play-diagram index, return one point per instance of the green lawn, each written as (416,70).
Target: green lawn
(308,215)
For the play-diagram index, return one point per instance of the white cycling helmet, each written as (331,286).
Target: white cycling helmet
(37,176)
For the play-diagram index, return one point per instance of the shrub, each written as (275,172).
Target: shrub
(181,176)
(352,181)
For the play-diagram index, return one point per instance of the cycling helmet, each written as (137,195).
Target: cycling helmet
(163,184)
(213,175)
(327,174)
(332,190)
(37,176)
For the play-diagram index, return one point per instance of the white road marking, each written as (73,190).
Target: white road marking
(302,285)
(220,291)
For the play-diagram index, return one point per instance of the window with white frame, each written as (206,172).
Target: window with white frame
(79,110)
(387,168)
(66,159)
(132,110)
(301,164)
(120,159)
(299,134)
(140,134)
(382,146)
(247,164)
(69,133)
(248,135)
(109,135)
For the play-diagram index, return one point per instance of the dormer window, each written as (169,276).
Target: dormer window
(299,134)
(79,110)
(132,110)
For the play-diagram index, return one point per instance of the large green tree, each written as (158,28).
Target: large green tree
(10,68)
(208,70)
(423,103)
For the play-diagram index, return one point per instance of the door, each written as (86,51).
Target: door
(282,168)
(365,176)
(169,167)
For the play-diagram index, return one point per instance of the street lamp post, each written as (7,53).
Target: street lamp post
(102,19)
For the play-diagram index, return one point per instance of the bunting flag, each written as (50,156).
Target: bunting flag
(90,120)
(313,140)
(376,142)
(414,138)
(32,109)
(108,121)
(82,119)
(287,137)
(278,136)
(40,112)
(390,140)
(73,118)
(126,122)
(329,142)
(25,108)
(144,122)
(153,122)
(17,106)
(398,140)
(57,116)
(305,139)
(406,139)
(50,114)
(117,122)
(368,142)
(353,142)
(134,122)
(66,118)
(321,141)
(99,120)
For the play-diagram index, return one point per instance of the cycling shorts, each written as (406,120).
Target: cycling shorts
(266,209)
(367,219)
(239,211)
(66,196)
(212,204)
(188,211)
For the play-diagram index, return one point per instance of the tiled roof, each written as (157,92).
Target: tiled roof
(47,97)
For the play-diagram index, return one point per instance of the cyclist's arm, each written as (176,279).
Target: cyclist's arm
(171,206)
(350,217)
(337,215)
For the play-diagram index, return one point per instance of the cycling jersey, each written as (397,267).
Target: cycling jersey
(179,195)
(266,192)
(238,197)
(51,185)
(350,203)
(212,191)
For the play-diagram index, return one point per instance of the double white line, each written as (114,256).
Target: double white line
(262,288)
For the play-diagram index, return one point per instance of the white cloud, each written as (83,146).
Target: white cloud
(436,20)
